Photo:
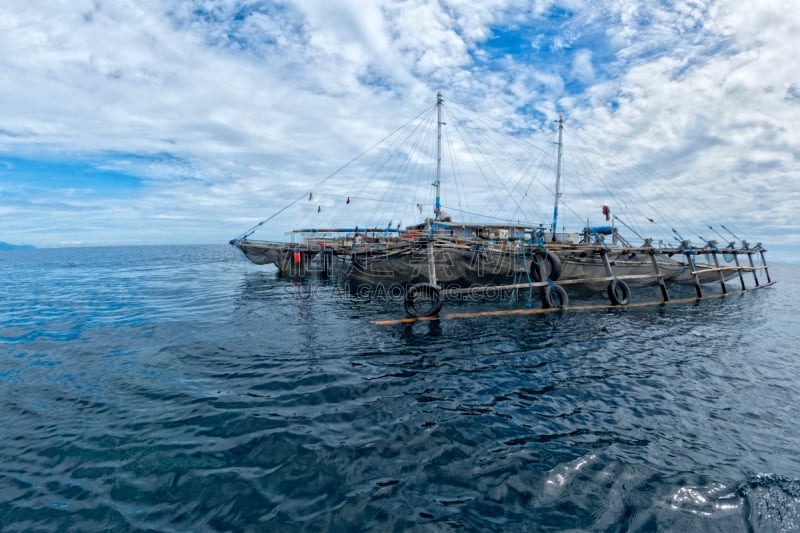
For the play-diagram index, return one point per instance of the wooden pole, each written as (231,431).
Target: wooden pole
(721,274)
(661,283)
(753,266)
(739,269)
(764,262)
(694,272)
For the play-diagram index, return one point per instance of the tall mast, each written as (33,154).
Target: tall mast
(437,211)
(558,172)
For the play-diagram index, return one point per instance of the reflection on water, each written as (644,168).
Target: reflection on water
(163,389)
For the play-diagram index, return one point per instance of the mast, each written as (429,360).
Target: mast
(437,211)
(558,172)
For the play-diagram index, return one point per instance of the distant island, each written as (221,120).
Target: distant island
(7,246)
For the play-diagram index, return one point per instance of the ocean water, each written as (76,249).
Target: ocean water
(182,389)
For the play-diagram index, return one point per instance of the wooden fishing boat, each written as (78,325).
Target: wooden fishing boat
(439,256)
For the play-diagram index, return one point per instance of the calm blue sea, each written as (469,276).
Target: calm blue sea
(182,389)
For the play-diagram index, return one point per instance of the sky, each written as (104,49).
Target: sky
(131,122)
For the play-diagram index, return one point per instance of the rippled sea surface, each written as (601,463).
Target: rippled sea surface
(182,389)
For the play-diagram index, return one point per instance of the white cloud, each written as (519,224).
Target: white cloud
(713,115)
(582,68)
(228,109)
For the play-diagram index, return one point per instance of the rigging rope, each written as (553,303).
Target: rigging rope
(332,174)
(511,175)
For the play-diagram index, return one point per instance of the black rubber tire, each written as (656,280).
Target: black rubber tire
(547,261)
(618,292)
(430,293)
(554,296)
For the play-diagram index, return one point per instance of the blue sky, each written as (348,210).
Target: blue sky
(176,121)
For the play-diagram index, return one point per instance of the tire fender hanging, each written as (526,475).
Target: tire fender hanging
(423,300)
(618,292)
(554,296)
(547,262)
